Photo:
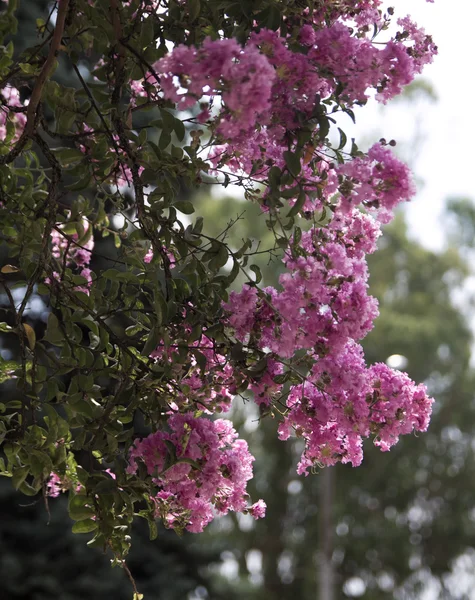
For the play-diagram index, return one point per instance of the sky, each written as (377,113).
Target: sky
(444,159)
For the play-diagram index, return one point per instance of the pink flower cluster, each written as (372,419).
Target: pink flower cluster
(199,467)
(323,307)
(358,65)
(268,88)
(203,385)
(241,77)
(54,486)
(377,181)
(262,101)
(57,484)
(323,297)
(343,401)
(12,122)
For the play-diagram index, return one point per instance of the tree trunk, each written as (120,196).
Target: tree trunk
(325,566)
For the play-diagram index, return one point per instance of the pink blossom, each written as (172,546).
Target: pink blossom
(207,471)
(242,77)
(258,509)
(379,181)
(11,122)
(54,486)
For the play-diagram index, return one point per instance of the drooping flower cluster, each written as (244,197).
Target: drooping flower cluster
(343,402)
(255,98)
(267,102)
(271,83)
(199,468)
(323,307)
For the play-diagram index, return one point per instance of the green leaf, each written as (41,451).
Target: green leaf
(30,334)
(54,335)
(153,339)
(220,259)
(19,476)
(201,360)
(153,531)
(297,207)
(168,121)
(271,18)
(77,507)
(85,526)
(292,161)
(297,236)
(40,463)
(184,206)
(165,140)
(290,192)
(160,307)
(194,8)
(8,369)
(350,113)
(106,486)
(9,269)
(343,139)
(179,129)
(256,270)
(354,148)
(30,490)
(68,156)
(81,184)
(233,273)
(324,126)
(274,177)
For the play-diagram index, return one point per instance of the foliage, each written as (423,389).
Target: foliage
(113,397)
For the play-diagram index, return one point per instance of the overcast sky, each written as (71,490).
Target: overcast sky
(445,160)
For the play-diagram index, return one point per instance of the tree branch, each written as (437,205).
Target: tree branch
(32,111)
